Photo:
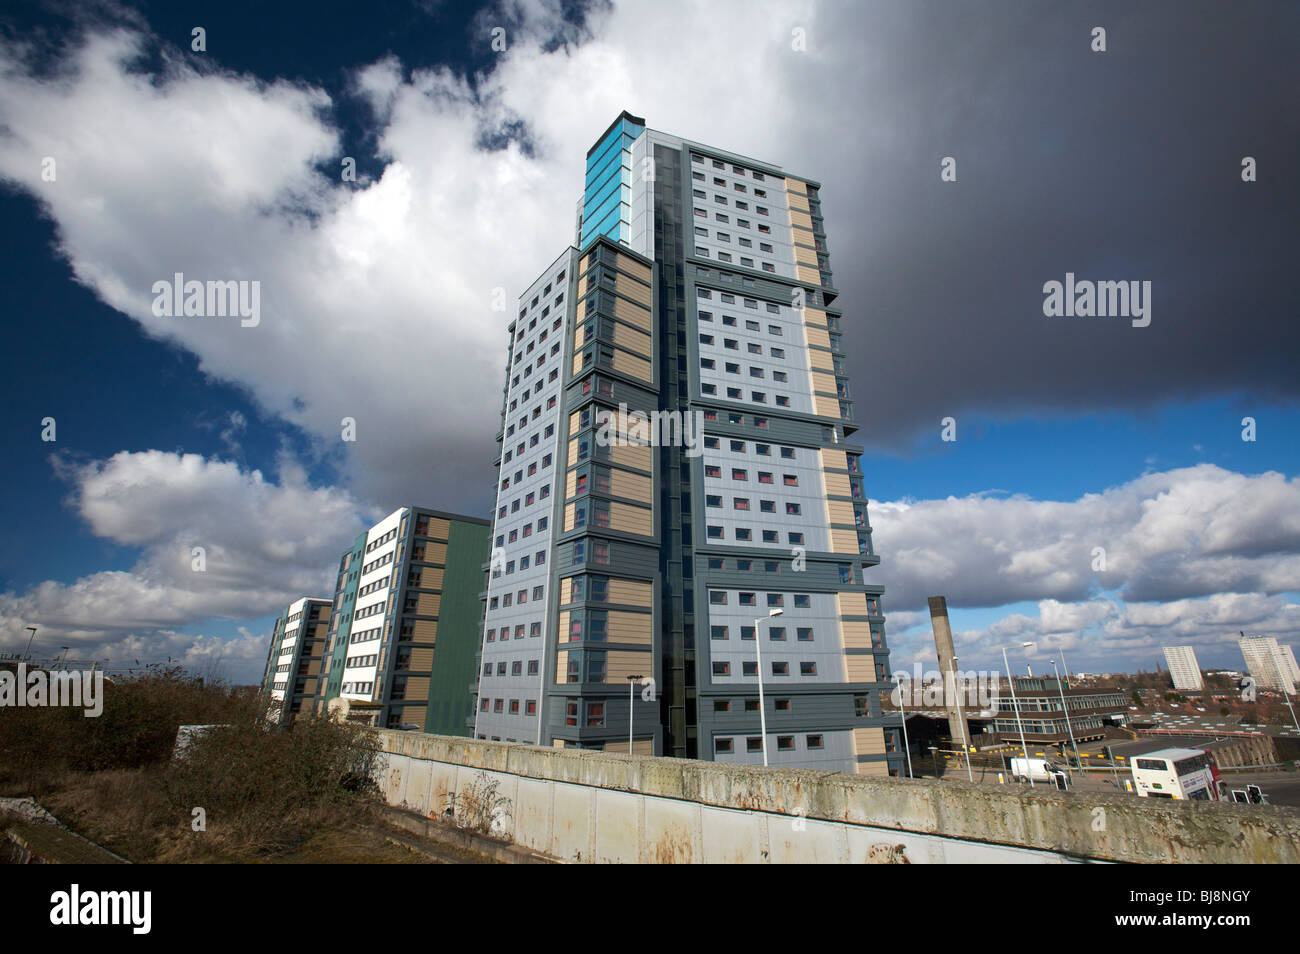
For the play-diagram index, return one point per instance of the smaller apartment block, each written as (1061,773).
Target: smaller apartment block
(293,664)
(406,622)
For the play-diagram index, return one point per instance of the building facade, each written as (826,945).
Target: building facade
(405,623)
(1183,668)
(676,465)
(294,661)
(1043,718)
(1268,663)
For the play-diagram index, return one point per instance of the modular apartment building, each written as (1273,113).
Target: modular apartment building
(634,570)
(1183,668)
(1271,666)
(293,664)
(406,621)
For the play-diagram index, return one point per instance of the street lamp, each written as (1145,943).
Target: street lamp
(1015,707)
(631,713)
(27,654)
(961,718)
(758,654)
(902,709)
(1077,761)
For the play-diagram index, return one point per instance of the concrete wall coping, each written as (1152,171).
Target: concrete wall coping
(1126,829)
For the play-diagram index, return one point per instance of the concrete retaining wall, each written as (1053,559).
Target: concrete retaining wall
(602,807)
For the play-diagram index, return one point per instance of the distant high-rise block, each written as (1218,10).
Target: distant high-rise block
(293,664)
(1268,663)
(675,466)
(1183,668)
(406,621)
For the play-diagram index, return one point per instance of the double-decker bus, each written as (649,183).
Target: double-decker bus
(1176,773)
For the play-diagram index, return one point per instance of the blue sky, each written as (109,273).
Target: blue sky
(378,297)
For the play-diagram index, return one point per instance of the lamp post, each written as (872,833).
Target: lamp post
(27,653)
(1077,761)
(902,709)
(961,718)
(758,655)
(631,707)
(1015,707)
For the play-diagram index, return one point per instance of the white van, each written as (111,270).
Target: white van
(1036,770)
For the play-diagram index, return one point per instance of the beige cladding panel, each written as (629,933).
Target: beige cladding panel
(582,286)
(630,592)
(844,541)
(637,341)
(839,511)
(563,635)
(821,361)
(580,337)
(869,741)
(796,186)
(821,381)
(621,664)
(577,363)
(873,768)
(575,422)
(439,527)
(635,314)
(428,604)
(561,666)
(417,687)
(568,516)
(856,634)
(431,577)
(633,267)
(809,275)
(859,668)
(573,451)
(309,688)
(435,553)
(631,365)
(570,484)
(587,261)
(805,255)
(636,486)
(800,220)
(817,336)
(626,518)
(631,455)
(566,590)
(826,406)
(626,627)
(797,201)
(639,746)
(634,290)
(834,460)
(421,659)
(814,316)
(852,604)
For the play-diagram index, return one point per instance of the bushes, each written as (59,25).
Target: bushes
(259,785)
(136,728)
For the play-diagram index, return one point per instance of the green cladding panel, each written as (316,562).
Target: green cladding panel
(460,616)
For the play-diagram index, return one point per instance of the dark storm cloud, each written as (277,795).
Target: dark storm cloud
(1122,165)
